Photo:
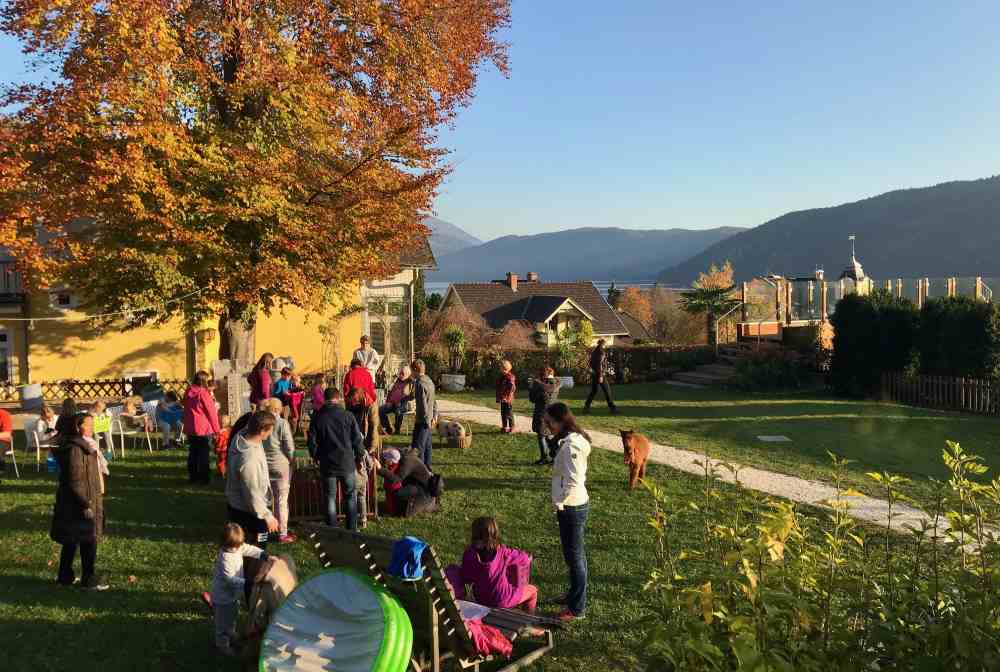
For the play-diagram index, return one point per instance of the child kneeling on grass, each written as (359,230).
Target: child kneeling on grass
(499,574)
(228,585)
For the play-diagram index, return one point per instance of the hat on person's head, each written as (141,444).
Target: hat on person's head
(391,456)
(364,338)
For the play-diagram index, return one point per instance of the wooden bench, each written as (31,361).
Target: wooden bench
(439,632)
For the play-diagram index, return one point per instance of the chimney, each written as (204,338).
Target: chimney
(512,281)
(531,277)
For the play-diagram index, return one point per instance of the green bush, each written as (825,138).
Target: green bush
(769,588)
(633,364)
(959,336)
(772,370)
(872,334)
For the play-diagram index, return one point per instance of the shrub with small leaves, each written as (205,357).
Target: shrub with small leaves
(773,588)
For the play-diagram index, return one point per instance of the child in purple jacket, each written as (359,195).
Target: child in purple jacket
(499,574)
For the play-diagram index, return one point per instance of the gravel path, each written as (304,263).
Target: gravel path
(796,489)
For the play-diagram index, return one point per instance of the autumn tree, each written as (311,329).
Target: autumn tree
(672,325)
(636,303)
(711,295)
(230,156)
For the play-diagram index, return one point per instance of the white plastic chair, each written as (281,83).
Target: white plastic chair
(149,408)
(135,434)
(9,452)
(34,438)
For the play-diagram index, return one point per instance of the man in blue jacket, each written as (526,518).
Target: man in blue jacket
(336,442)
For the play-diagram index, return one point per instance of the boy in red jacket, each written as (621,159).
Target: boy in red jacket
(506,387)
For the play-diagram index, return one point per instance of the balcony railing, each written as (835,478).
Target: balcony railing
(10,279)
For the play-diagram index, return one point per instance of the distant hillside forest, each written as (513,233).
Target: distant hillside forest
(951,229)
(625,255)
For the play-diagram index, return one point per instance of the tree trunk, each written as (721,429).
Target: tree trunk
(711,325)
(237,335)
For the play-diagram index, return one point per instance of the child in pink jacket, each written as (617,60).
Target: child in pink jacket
(498,574)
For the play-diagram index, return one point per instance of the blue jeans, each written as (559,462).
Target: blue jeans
(399,410)
(423,441)
(350,492)
(572,523)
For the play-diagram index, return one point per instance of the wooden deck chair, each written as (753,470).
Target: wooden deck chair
(439,633)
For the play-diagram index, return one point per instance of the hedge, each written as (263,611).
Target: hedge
(626,364)
(959,336)
(872,334)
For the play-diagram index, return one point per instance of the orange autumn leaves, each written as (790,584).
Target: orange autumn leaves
(263,154)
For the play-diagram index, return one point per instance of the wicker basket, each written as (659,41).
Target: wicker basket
(461,441)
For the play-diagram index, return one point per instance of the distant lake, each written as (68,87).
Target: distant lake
(602,285)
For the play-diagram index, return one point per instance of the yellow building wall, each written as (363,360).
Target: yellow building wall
(74,349)
(295,333)
(77,349)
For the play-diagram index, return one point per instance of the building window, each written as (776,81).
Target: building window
(378,336)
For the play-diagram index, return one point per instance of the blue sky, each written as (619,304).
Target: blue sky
(654,114)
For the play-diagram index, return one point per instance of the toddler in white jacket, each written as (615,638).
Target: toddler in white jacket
(228,583)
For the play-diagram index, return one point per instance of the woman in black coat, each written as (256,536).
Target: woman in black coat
(78,516)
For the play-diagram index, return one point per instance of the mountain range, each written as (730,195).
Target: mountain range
(577,254)
(447,238)
(950,229)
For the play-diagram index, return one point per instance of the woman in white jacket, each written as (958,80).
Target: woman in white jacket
(569,495)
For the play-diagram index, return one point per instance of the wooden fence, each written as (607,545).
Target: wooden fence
(88,389)
(970,395)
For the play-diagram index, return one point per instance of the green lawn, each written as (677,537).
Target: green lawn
(899,439)
(159,553)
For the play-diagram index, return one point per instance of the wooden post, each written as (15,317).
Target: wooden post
(744,297)
(777,301)
(788,301)
(952,286)
(823,301)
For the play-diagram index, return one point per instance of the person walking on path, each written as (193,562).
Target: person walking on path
(279,448)
(260,379)
(368,356)
(248,485)
(598,368)
(78,515)
(201,423)
(335,441)
(506,389)
(423,392)
(572,503)
(543,392)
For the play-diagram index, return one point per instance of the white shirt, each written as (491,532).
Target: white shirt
(369,358)
(569,472)
(228,580)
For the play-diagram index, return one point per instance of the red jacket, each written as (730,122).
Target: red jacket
(358,376)
(200,415)
(506,387)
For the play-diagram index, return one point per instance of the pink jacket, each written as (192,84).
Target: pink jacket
(200,415)
(497,583)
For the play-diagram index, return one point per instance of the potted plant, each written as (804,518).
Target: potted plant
(454,339)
